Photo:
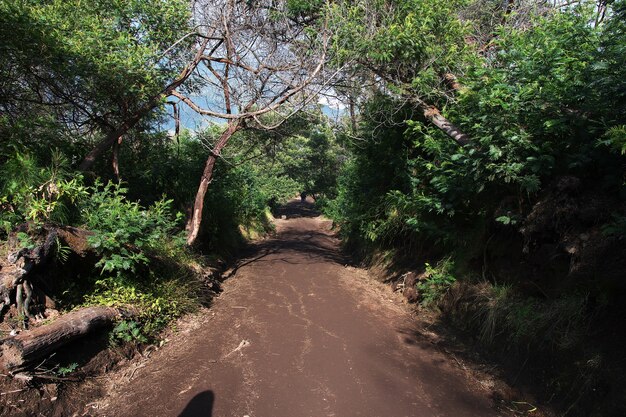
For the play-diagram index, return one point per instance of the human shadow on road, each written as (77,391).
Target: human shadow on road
(200,406)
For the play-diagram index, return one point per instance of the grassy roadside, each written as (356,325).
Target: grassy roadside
(558,348)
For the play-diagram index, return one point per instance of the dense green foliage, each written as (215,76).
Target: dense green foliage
(517,236)
(535,109)
(528,217)
(311,160)
(411,43)
(141,261)
(137,225)
(29,192)
(73,72)
(75,69)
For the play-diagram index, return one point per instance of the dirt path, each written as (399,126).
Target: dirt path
(296,333)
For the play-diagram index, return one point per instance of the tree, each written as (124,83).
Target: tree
(415,49)
(95,68)
(312,159)
(262,71)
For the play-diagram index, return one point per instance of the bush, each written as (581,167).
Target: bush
(505,319)
(156,299)
(29,192)
(437,283)
(124,233)
(144,261)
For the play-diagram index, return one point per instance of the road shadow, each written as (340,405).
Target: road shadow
(296,209)
(509,392)
(200,406)
(315,245)
(310,246)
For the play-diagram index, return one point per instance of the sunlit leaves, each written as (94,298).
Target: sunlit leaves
(102,58)
(534,105)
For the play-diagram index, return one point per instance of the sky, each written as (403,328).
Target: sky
(330,106)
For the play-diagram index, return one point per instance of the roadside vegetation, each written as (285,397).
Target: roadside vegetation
(99,179)
(479,155)
(136,226)
(511,227)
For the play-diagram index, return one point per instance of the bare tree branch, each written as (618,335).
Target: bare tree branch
(265,61)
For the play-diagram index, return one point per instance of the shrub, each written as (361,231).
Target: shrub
(127,331)
(124,232)
(156,299)
(437,283)
(529,324)
(144,261)
(29,192)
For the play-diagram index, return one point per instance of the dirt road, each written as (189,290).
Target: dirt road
(296,333)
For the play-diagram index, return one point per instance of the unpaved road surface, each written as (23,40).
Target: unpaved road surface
(296,333)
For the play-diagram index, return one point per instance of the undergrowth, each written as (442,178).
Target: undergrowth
(437,283)
(143,263)
(524,325)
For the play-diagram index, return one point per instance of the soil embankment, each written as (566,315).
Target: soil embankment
(298,333)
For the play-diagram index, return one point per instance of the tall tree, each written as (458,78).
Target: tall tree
(415,48)
(261,73)
(96,67)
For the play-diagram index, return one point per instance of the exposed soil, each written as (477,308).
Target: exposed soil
(297,332)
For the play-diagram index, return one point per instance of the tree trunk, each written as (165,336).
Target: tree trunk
(448,128)
(132,120)
(433,115)
(352,114)
(112,137)
(20,351)
(195,219)
(28,275)
(116,158)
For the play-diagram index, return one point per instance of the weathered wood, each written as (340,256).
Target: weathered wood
(18,352)
(433,115)
(26,270)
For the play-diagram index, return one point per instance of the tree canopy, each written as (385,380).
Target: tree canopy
(482,142)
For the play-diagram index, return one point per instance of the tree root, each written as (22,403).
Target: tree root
(23,300)
(28,290)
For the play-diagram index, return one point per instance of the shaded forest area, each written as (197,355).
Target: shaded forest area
(479,157)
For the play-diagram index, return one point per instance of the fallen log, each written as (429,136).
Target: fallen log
(18,352)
